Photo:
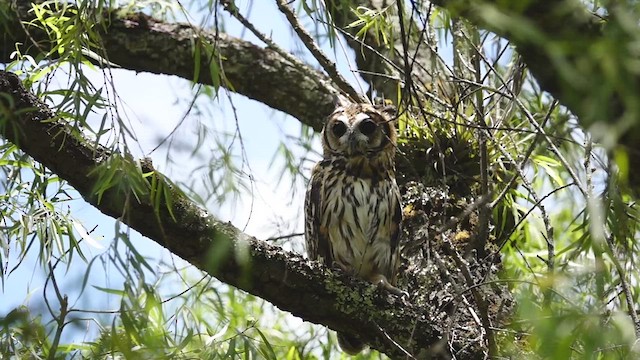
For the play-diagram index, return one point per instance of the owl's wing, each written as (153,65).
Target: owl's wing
(317,239)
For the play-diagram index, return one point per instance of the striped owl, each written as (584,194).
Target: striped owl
(352,205)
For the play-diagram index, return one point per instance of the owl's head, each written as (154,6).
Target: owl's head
(354,130)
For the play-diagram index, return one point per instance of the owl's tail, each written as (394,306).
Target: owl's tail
(350,344)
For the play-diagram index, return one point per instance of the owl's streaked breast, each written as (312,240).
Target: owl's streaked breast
(358,215)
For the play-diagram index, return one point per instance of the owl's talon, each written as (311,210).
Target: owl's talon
(394,290)
(401,293)
(382,283)
(336,265)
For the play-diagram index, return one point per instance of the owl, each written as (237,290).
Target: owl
(352,205)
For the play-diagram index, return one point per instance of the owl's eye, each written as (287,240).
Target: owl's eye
(339,128)
(367,127)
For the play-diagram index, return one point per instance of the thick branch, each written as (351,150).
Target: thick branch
(562,45)
(141,43)
(287,280)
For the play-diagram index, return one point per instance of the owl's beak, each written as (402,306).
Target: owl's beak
(355,146)
(353,142)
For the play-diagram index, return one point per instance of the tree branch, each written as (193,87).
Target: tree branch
(304,288)
(139,42)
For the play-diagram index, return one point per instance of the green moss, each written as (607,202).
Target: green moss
(357,299)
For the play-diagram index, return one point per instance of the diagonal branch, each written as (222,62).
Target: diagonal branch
(287,280)
(318,54)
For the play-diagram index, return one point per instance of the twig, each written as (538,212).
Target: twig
(483,308)
(230,7)
(394,343)
(459,292)
(341,41)
(534,123)
(548,229)
(328,65)
(61,318)
(423,87)
(628,295)
(527,185)
(485,212)
(549,237)
(364,45)
(535,205)
(406,93)
(545,217)
(482,202)
(527,154)
(596,225)
(282,237)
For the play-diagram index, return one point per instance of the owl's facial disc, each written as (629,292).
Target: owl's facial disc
(357,130)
